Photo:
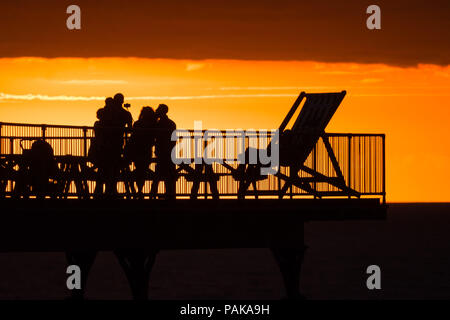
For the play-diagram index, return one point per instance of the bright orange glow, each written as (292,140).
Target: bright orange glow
(410,105)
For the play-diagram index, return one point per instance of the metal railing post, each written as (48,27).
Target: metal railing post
(85,141)
(205,183)
(44,129)
(11,151)
(314,158)
(349,159)
(11,145)
(1,138)
(384,168)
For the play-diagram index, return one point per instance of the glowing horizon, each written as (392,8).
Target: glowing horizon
(410,105)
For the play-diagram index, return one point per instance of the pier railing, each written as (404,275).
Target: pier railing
(360,157)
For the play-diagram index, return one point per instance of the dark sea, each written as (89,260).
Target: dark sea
(411,247)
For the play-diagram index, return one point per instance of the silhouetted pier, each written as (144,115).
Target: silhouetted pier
(219,204)
(75,223)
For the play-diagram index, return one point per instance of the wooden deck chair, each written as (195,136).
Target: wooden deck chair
(297,144)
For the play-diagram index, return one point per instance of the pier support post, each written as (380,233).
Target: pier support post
(289,262)
(84,260)
(137,265)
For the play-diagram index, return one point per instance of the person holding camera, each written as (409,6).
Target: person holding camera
(114,121)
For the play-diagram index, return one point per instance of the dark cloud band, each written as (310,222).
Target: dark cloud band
(412,32)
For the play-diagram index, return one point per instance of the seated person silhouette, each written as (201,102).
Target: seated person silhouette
(37,171)
(139,147)
(203,172)
(165,168)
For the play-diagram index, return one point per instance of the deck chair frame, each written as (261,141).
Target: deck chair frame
(308,184)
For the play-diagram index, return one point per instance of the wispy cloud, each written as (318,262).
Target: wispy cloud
(339,72)
(356,70)
(90,82)
(214,96)
(194,66)
(400,95)
(256,88)
(371,80)
(41,97)
(6,97)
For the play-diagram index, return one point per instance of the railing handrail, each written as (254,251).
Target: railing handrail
(55,126)
(36,125)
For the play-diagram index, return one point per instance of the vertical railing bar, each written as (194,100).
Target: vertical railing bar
(384,168)
(11,151)
(205,182)
(85,141)
(314,155)
(1,138)
(11,145)
(44,129)
(349,157)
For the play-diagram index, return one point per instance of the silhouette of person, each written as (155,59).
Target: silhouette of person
(139,147)
(207,173)
(109,139)
(42,166)
(165,168)
(121,118)
(97,150)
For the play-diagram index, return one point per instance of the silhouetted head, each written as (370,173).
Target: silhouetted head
(109,102)
(147,113)
(100,113)
(162,110)
(119,99)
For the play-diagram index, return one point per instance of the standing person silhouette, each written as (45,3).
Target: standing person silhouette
(122,118)
(113,120)
(118,120)
(139,147)
(99,145)
(165,168)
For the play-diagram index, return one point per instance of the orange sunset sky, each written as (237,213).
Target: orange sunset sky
(410,105)
(397,84)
